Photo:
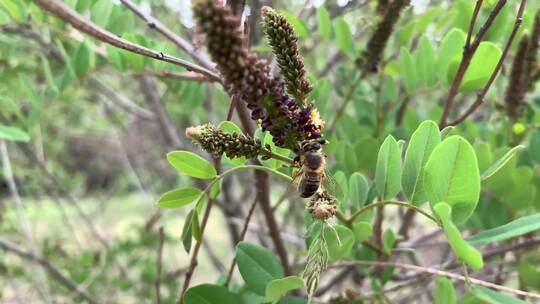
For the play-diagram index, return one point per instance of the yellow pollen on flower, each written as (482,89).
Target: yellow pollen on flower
(316,118)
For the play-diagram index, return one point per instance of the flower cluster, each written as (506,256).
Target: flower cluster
(375,47)
(284,43)
(515,92)
(322,206)
(217,142)
(524,72)
(248,77)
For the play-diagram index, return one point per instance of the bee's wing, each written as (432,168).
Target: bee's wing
(330,184)
(293,186)
(297,178)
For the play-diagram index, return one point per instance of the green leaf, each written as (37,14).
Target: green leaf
(340,240)
(83,5)
(493,297)
(480,69)
(51,84)
(122,23)
(462,249)
(451,47)
(324,23)
(297,25)
(358,190)
(451,175)
(81,60)
(388,170)
(534,146)
(135,61)
(483,154)
(425,62)
(258,266)
(389,239)
(489,172)
(15,8)
(210,294)
(366,150)
(191,164)
(101,11)
(231,128)
(278,288)
(422,143)
(405,33)
(269,141)
(187,231)
(520,226)
(196,228)
(409,77)
(362,231)
(344,37)
(179,198)
(215,190)
(444,292)
(115,57)
(446,132)
(13,134)
(35,102)
(427,18)
(529,275)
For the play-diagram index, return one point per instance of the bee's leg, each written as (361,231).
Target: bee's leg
(295,174)
(296,161)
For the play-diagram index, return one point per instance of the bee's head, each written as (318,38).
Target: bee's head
(312,145)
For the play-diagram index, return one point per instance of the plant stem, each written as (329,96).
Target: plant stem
(159,265)
(346,100)
(351,219)
(242,235)
(268,153)
(468,53)
(480,97)
(70,16)
(436,272)
(180,42)
(244,168)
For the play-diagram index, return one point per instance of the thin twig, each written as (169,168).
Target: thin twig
(242,236)
(408,220)
(353,216)
(346,100)
(55,272)
(189,76)
(64,193)
(77,21)
(480,97)
(194,255)
(437,273)
(183,44)
(232,105)
(468,54)
(159,264)
(7,171)
(473,22)
(120,101)
(168,128)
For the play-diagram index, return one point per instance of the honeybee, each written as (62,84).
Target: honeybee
(313,170)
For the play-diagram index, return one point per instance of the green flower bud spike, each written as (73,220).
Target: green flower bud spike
(284,42)
(217,142)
